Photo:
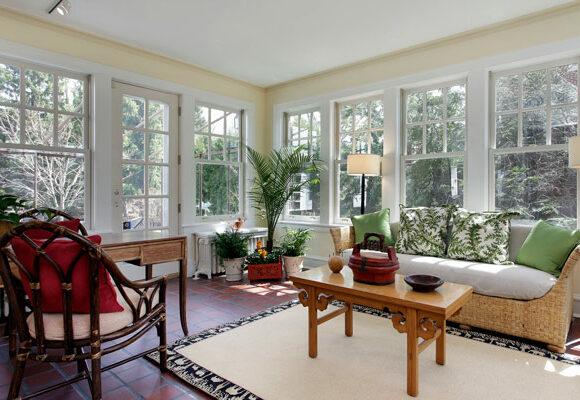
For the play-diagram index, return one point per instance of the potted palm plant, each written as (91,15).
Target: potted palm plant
(10,208)
(232,248)
(275,181)
(294,248)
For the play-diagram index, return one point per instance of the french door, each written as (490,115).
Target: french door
(145,194)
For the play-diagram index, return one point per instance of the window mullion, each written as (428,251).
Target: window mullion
(520,110)
(548,103)
(55,138)
(424,95)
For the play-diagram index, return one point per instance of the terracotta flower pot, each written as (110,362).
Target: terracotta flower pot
(234,269)
(293,264)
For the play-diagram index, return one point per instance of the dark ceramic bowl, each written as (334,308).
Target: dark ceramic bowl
(423,283)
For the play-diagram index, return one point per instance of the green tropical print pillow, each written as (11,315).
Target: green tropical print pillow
(482,237)
(423,230)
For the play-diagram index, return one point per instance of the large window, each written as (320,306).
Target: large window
(534,112)
(44,146)
(434,132)
(217,159)
(360,130)
(303,129)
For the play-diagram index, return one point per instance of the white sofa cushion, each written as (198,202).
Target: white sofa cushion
(509,281)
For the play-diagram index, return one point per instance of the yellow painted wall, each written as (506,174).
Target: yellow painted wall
(19,28)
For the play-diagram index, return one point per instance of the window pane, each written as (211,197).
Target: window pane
(158,147)
(234,189)
(133,112)
(377,142)
(17,171)
(201,147)
(133,179)
(506,130)
(232,149)
(158,177)
(9,83)
(456,101)
(214,189)
(158,216)
(61,183)
(361,116)
(9,125)
(346,118)
(565,84)
(434,138)
(534,88)
(71,131)
(361,143)
(534,127)
(158,116)
(350,199)
(377,114)
(70,94)
(307,201)
(434,182)
(345,146)
(134,214)
(39,128)
(39,88)
(217,148)
(455,136)
(538,185)
(217,121)
(434,100)
(201,119)
(415,107)
(232,124)
(507,93)
(415,139)
(133,145)
(564,123)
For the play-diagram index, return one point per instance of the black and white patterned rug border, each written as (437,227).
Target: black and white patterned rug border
(222,389)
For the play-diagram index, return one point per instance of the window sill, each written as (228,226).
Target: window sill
(316,226)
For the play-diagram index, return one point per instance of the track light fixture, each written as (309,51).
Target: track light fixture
(62,7)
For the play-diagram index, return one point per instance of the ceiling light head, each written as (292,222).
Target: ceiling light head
(61,7)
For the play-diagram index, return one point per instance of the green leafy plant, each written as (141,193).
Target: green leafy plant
(10,208)
(231,244)
(263,256)
(294,242)
(275,181)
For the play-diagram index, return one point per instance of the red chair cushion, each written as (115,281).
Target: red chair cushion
(72,224)
(63,252)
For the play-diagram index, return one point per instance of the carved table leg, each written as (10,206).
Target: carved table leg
(312,323)
(348,320)
(440,343)
(412,353)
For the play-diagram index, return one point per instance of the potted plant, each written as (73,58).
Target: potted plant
(264,264)
(10,208)
(294,248)
(275,181)
(232,247)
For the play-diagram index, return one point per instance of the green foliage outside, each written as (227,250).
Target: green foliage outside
(294,242)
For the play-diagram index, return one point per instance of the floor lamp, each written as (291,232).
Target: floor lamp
(363,165)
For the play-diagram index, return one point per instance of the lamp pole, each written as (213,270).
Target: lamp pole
(362,195)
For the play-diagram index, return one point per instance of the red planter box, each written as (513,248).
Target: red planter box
(259,272)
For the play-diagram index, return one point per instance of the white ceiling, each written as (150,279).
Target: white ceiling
(266,42)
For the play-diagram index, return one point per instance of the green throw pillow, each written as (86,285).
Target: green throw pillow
(377,222)
(547,247)
(423,230)
(483,237)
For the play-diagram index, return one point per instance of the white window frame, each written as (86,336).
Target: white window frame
(287,142)
(430,156)
(337,141)
(240,163)
(86,115)
(520,148)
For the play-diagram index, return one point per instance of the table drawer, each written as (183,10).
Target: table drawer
(124,253)
(162,252)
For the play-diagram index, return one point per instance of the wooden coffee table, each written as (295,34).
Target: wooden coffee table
(419,315)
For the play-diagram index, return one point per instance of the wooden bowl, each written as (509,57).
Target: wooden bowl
(423,283)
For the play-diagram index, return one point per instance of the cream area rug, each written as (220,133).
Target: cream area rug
(266,357)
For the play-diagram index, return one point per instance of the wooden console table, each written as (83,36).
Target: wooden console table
(148,248)
(419,315)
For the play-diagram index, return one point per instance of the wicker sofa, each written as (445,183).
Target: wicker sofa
(545,319)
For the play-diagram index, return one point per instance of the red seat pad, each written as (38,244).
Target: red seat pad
(63,252)
(72,224)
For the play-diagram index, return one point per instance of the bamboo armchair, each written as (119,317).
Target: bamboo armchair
(143,302)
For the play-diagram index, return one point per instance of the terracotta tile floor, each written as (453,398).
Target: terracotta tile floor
(210,303)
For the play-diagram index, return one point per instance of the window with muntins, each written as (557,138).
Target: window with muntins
(360,130)
(434,132)
(44,144)
(303,129)
(217,160)
(534,111)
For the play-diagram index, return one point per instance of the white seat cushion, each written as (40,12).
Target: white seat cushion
(509,281)
(109,322)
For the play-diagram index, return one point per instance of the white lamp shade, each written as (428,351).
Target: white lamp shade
(574,152)
(368,164)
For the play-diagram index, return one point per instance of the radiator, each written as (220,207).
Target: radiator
(205,260)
